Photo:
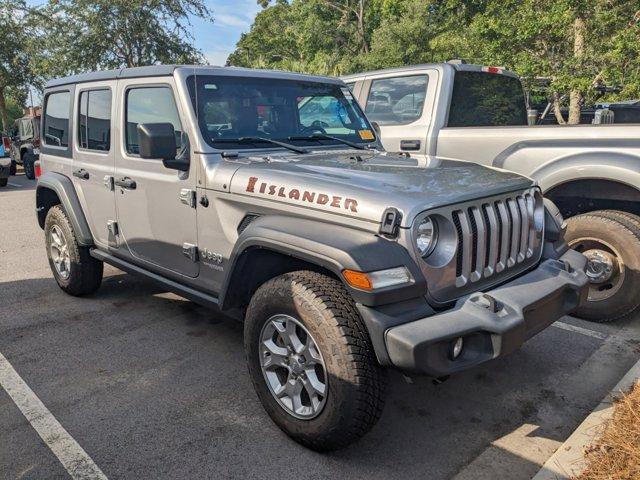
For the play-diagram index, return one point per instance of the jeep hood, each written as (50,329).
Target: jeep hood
(363,184)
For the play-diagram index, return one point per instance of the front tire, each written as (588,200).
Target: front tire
(75,270)
(311,360)
(611,242)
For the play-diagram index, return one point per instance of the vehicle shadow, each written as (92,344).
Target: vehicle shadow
(160,356)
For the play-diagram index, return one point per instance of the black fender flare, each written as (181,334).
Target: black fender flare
(63,187)
(332,247)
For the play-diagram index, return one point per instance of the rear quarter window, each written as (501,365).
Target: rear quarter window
(486,100)
(56,119)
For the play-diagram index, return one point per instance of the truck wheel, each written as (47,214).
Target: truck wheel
(28,161)
(75,270)
(611,242)
(311,360)
(14,168)
(3,182)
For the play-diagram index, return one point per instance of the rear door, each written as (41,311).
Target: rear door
(155,205)
(94,159)
(401,104)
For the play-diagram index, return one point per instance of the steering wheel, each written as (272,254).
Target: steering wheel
(316,126)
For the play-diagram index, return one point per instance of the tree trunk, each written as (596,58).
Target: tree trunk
(576,96)
(3,112)
(361,26)
(556,109)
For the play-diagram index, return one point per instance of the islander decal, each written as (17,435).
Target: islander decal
(305,196)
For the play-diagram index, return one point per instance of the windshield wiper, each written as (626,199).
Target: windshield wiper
(260,140)
(324,136)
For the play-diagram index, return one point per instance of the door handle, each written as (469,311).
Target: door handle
(126,182)
(410,145)
(81,173)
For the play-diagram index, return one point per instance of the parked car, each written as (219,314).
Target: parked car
(5,160)
(479,114)
(266,195)
(25,147)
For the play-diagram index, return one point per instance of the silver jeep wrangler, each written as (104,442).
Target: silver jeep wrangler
(267,196)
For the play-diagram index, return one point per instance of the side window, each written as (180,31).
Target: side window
(150,105)
(56,119)
(94,126)
(396,101)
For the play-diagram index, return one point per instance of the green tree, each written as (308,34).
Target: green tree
(576,44)
(15,72)
(81,35)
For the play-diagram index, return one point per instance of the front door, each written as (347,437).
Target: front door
(94,159)
(156,217)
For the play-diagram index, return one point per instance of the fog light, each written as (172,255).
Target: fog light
(456,348)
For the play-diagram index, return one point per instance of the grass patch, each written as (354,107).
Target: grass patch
(615,455)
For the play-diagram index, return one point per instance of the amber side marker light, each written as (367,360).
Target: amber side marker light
(357,279)
(379,279)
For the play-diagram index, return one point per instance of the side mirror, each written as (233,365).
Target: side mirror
(158,140)
(376,128)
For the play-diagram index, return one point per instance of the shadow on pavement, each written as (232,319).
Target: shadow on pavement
(155,383)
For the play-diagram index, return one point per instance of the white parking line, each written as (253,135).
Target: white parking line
(583,331)
(74,459)
(14,185)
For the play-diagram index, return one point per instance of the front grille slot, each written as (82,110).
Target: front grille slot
(494,237)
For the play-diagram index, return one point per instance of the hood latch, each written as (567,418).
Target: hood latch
(391,220)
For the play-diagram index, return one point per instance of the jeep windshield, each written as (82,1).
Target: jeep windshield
(232,109)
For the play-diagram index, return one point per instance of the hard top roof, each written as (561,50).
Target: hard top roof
(166,70)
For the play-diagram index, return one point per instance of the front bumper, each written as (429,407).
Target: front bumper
(491,324)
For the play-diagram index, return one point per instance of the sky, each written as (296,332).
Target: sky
(231,18)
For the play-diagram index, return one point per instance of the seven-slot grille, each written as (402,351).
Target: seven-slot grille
(494,236)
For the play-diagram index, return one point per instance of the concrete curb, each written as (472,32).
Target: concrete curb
(568,460)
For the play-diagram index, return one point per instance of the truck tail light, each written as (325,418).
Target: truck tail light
(37,169)
(492,69)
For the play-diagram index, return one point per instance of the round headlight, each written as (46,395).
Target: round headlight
(426,236)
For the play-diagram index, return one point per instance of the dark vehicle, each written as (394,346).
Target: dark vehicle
(25,148)
(5,161)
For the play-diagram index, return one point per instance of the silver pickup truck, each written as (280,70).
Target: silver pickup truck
(479,114)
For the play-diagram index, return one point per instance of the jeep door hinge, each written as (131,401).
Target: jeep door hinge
(188,197)
(114,231)
(108,182)
(190,251)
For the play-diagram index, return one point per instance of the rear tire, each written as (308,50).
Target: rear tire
(14,168)
(3,182)
(28,161)
(611,241)
(353,381)
(75,270)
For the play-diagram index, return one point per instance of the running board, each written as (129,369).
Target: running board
(172,286)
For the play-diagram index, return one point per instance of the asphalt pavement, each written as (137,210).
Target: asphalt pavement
(153,386)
